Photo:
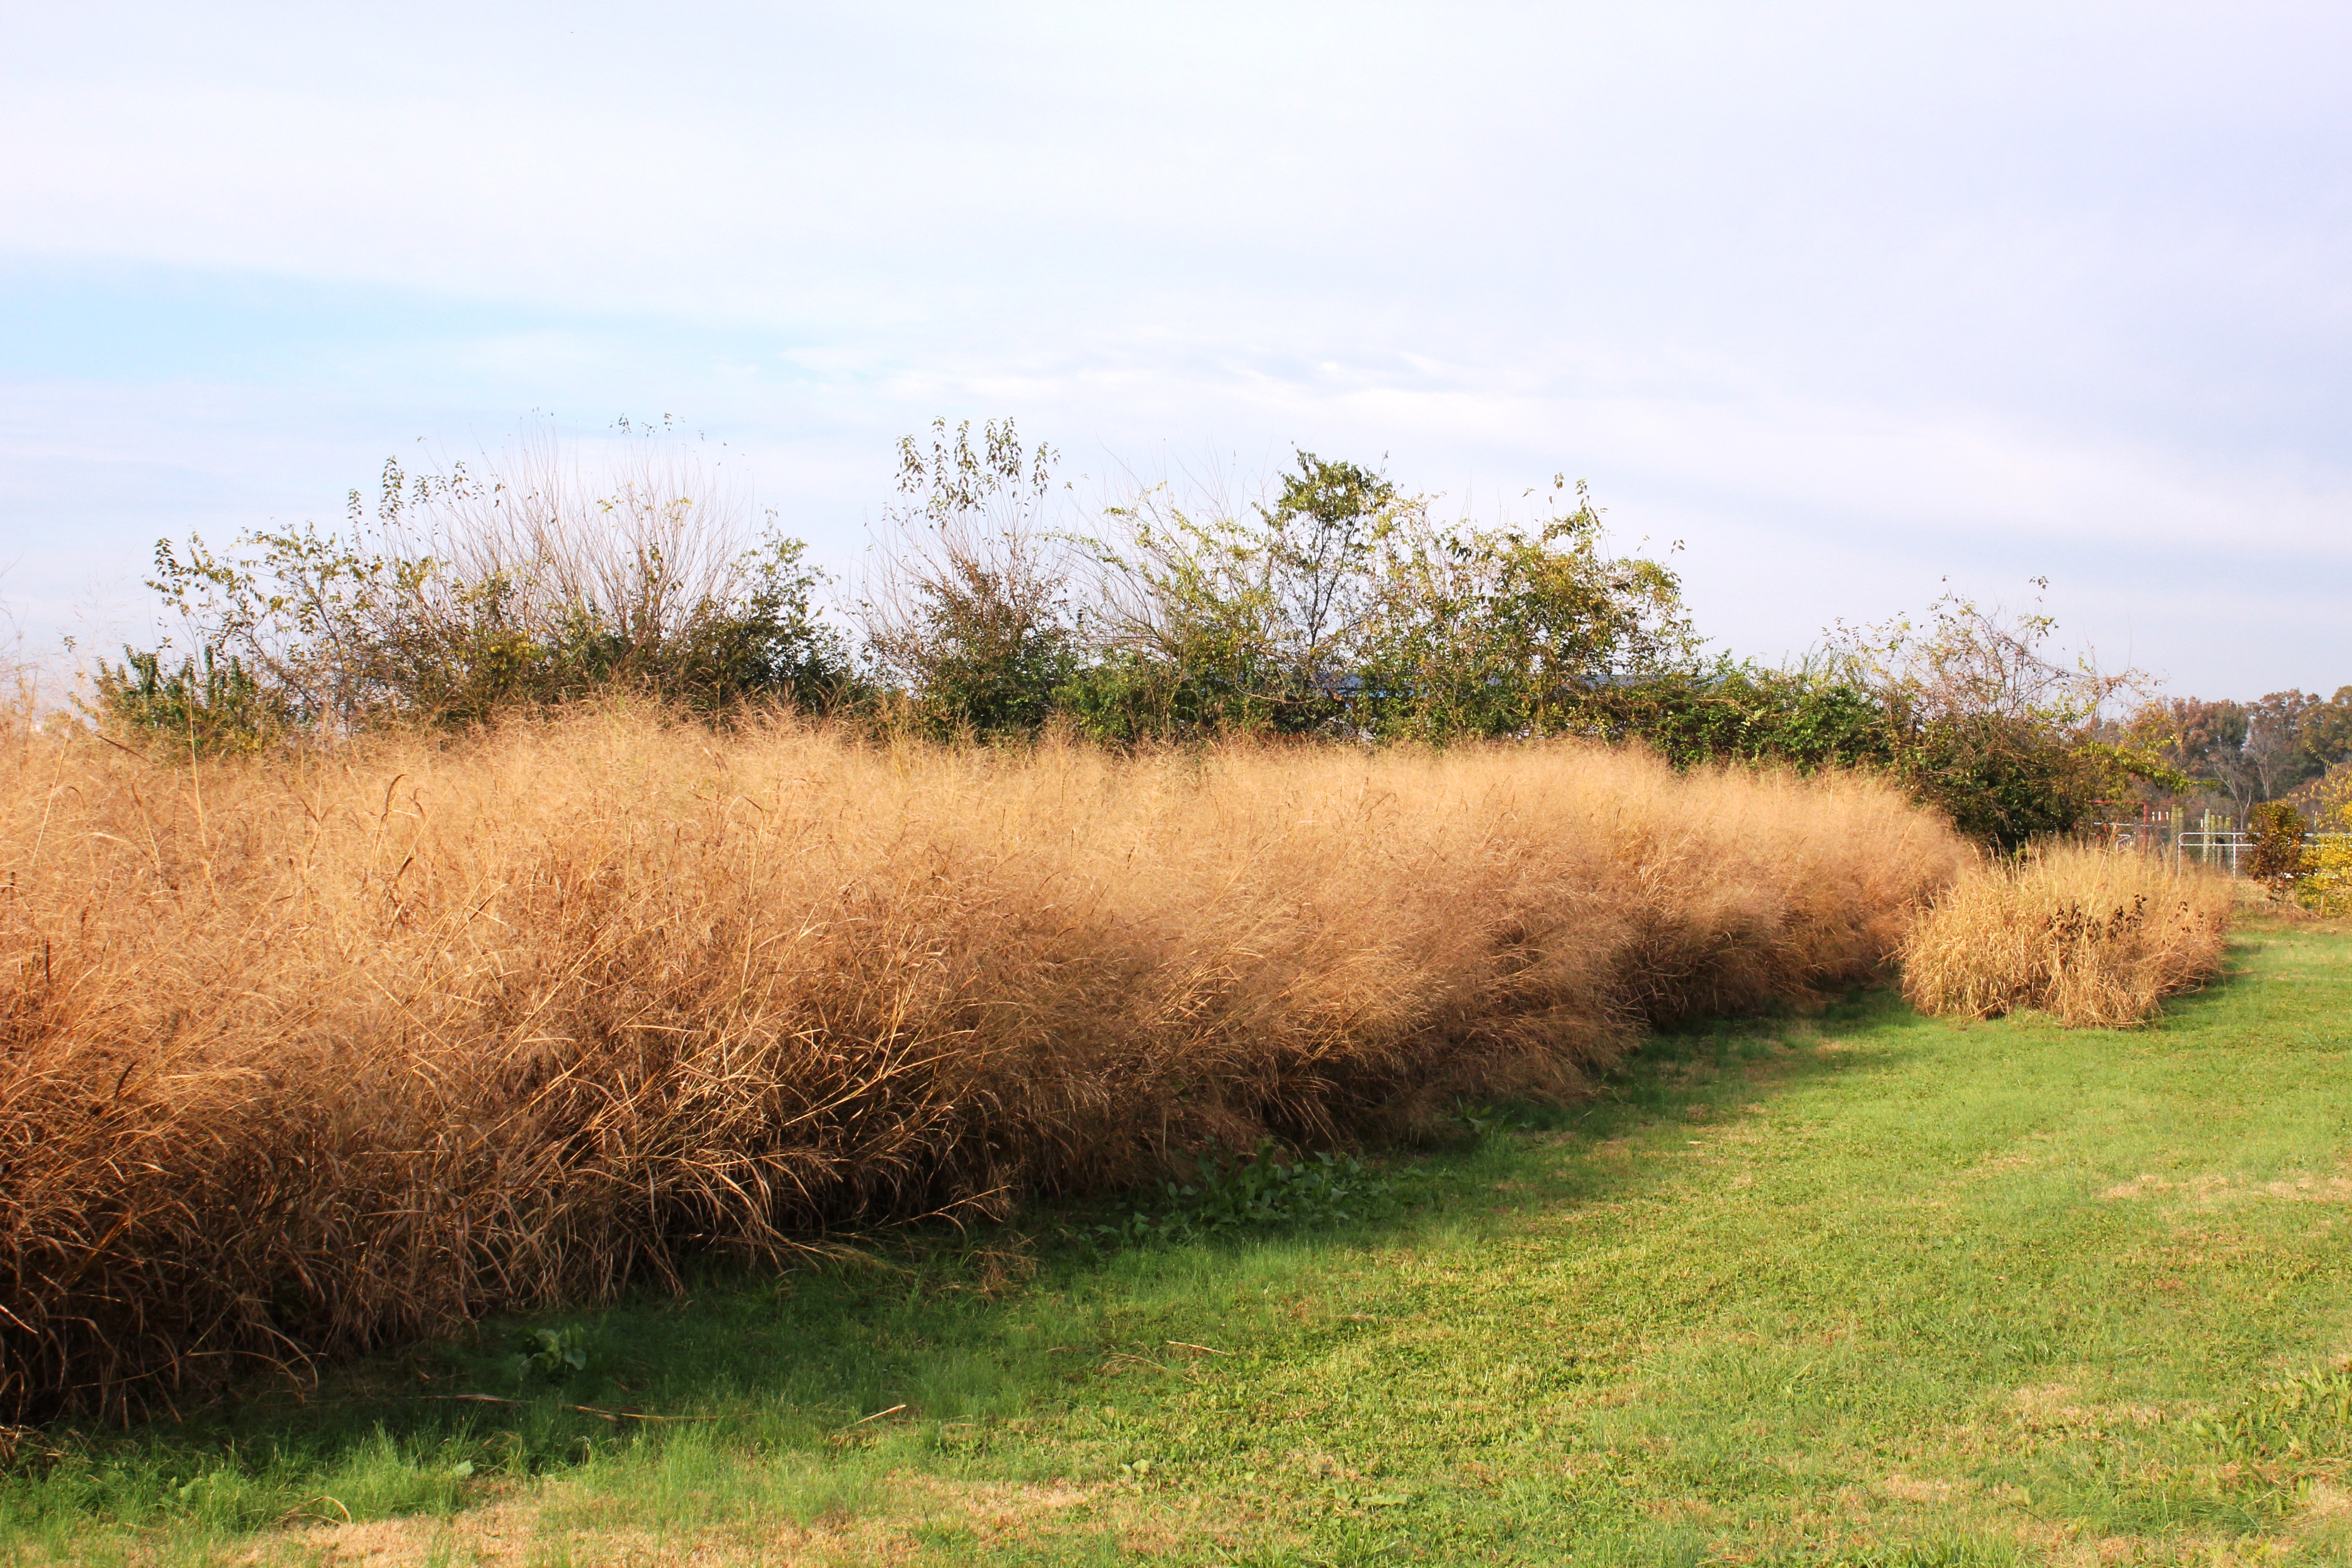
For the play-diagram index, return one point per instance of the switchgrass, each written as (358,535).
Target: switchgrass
(2096,938)
(303,1054)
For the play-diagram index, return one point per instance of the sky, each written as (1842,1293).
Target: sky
(1857,302)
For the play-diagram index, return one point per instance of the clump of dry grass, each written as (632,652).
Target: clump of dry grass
(2097,938)
(301,1055)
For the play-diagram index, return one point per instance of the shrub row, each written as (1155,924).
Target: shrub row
(1334,605)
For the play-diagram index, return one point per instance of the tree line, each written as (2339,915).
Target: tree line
(1332,606)
(2245,753)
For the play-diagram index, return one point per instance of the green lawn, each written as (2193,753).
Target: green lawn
(1860,1288)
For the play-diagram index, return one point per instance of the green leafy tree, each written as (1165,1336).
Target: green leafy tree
(1512,630)
(1985,723)
(1340,606)
(2278,859)
(1736,711)
(208,704)
(1210,618)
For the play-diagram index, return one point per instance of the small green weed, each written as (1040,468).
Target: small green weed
(2308,1416)
(555,1354)
(1952,1552)
(1491,1120)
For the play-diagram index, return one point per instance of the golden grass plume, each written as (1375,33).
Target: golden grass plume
(300,1055)
(2098,938)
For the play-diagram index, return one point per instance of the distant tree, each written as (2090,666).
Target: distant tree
(2275,755)
(2250,752)
(2324,729)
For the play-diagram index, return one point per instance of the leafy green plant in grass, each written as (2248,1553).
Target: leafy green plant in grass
(1489,1121)
(1956,1551)
(1495,1120)
(1259,1191)
(2307,1417)
(555,1354)
(218,1486)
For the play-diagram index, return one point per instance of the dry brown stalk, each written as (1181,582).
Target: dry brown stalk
(389,1039)
(2098,939)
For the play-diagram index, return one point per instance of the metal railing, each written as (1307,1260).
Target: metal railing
(2212,840)
(2220,848)
(2231,850)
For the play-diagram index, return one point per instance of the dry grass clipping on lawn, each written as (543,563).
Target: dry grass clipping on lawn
(302,1055)
(2096,938)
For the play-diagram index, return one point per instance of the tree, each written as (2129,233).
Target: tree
(1211,617)
(2278,859)
(1514,630)
(2251,752)
(2275,754)
(208,704)
(2328,885)
(1985,723)
(968,612)
(1341,606)
(1736,711)
(2325,729)
(2203,740)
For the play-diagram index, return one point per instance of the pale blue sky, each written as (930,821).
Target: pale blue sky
(1847,298)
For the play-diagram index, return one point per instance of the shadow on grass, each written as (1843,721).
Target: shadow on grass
(917,1337)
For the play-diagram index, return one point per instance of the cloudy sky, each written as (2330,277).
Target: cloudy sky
(1851,300)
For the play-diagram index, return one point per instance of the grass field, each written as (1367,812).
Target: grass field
(1858,1288)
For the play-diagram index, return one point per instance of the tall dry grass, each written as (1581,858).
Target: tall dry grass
(297,1056)
(2098,939)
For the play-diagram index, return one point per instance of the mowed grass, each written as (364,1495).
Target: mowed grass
(1860,1288)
